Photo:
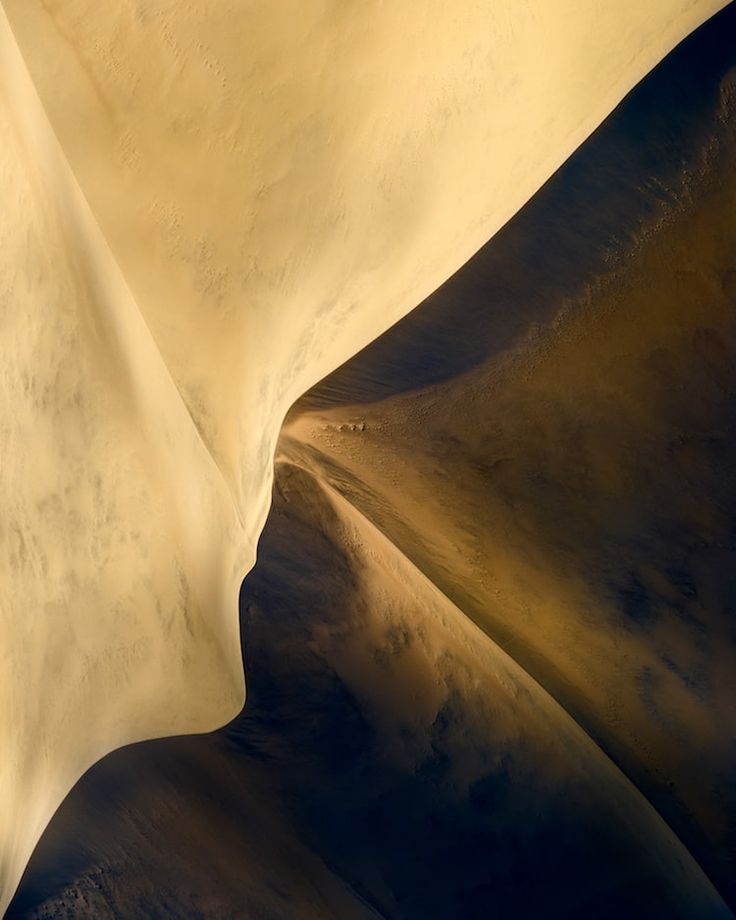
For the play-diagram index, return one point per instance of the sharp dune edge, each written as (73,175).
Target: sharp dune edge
(204,212)
(440,640)
(571,490)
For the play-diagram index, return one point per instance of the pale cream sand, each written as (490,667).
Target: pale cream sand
(205,209)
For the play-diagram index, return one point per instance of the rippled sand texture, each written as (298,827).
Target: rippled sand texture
(489,636)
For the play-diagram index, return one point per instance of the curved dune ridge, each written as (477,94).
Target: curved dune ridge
(392,758)
(207,208)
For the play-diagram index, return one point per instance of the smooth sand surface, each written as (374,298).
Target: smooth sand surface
(392,761)
(205,209)
(572,491)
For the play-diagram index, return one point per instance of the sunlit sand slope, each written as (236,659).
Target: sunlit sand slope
(412,756)
(281,182)
(121,547)
(383,733)
(572,492)
(205,208)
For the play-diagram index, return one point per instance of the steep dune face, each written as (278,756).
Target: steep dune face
(109,579)
(413,757)
(205,209)
(180,828)
(562,478)
(474,791)
(280,185)
(573,493)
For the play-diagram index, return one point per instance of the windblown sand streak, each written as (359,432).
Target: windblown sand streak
(206,208)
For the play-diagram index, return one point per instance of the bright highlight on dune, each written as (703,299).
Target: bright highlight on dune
(206,208)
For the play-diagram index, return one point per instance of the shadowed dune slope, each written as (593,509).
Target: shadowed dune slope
(628,173)
(207,206)
(386,738)
(489,638)
(573,490)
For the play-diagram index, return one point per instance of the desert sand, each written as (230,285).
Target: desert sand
(206,208)
(570,488)
(435,777)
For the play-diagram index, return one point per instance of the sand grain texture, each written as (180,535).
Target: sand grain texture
(206,208)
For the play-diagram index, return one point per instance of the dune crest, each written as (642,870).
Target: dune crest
(205,210)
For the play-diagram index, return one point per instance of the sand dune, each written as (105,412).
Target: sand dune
(278,186)
(551,461)
(205,209)
(430,773)
(110,578)
(571,492)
